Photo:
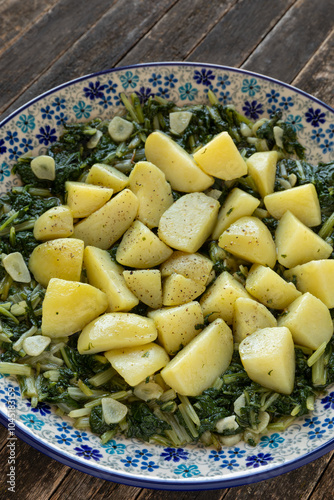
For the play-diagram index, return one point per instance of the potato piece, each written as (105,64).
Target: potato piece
(221,158)
(107,275)
(141,248)
(61,258)
(135,364)
(250,316)
(297,244)
(262,168)
(268,357)
(269,288)
(302,201)
(178,289)
(177,326)
(154,193)
(105,226)
(197,366)
(146,285)
(219,299)
(116,330)
(316,277)
(308,320)
(237,205)
(83,199)
(249,239)
(57,222)
(178,166)
(188,222)
(68,306)
(107,176)
(191,265)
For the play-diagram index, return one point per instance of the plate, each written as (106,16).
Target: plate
(35,126)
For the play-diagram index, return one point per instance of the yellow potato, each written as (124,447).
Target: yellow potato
(262,168)
(107,176)
(57,222)
(194,266)
(177,290)
(146,285)
(249,316)
(83,199)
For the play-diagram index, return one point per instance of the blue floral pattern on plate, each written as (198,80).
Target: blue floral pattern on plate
(34,127)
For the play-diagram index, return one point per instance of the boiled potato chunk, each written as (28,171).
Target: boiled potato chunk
(316,277)
(237,205)
(302,201)
(250,239)
(178,166)
(197,366)
(107,176)
(141,248)
(105,226)
(219,299)
(83,199)
(268,357)
(137,363)
(194,266)
(270,288)
(57,222)
(250,316)
(188,222)
(177,290)
(116,330)
(146,285)
(68,306)
(297,244)
(262,168)
(107,275)
(308,320)
(154,193)
(221,158)
(61,258)
(177,326)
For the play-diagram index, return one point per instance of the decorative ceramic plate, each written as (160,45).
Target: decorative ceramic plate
(34,127)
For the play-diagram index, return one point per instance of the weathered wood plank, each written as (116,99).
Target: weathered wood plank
(291,43)
(325,486)
(238,33)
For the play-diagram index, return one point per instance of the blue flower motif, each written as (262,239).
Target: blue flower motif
(12,137)
(311,422)
(63,427)
(94,90)
(11,392)
(3,148)
(128,462)
(80,436)
(286,102)
(295,122)
(315,117)
(224,97)
(327,146)
(144,94)
(82,110)
(14,153)
(175,454)
(163,92)
(272,441)
(170,80)
(87,452)
(46,135)
(253,109)
(329,422)
(143,454)
(4,171)
(236,452)
(26,122)
(111,87)
(129,80)
(26,145)
(330,131)
(217,455)
(317,135)
(63,439)
(41,408)
(223,82)
(187,470)
(273,96)
(47,112)
(106,101)
(61,118)
(118,100)
(187,92)
(32,421)
(155,80)
(204,77)
(250,87)
(272,110)
(257,460)
(59,103)
(229,464)
(150,466)
(112,447)
(328,401)
(317,433)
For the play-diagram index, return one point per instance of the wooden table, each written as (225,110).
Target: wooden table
(46,42)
